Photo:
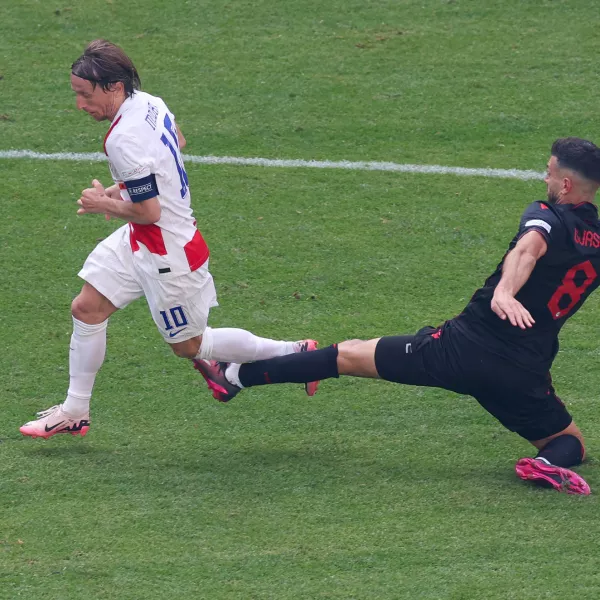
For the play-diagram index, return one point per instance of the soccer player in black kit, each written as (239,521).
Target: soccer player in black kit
(501,347)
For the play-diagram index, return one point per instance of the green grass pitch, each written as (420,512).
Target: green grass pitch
(367,491)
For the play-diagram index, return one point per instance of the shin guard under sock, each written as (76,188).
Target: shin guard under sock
(302,367)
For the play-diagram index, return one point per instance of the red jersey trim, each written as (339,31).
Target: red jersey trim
(109,132)
(149,235)
(196,251)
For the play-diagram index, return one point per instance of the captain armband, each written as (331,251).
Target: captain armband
(142,189)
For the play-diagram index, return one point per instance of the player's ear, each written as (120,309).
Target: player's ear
(567,184)
(117,86)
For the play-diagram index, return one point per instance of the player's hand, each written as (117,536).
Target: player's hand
(114,192)
(508,307)
(93,200)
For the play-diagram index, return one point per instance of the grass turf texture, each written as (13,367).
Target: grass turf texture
(367,490)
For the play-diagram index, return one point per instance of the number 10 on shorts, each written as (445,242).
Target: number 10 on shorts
(174,317)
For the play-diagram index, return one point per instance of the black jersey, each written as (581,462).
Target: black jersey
(559,284)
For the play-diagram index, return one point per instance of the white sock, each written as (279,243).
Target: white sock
(86,355)
(232,374)
(238,345)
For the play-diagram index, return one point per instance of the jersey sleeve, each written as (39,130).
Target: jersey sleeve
(539,216)
(133,166)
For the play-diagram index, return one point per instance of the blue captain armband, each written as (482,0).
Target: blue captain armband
(142,189)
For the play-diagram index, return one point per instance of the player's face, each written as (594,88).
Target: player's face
(95,101)
(554,181)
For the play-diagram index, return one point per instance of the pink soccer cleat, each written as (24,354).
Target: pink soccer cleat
(214,374)
(561,479)
(53,420)
(308,346)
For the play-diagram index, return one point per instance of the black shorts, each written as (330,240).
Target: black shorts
(523,401)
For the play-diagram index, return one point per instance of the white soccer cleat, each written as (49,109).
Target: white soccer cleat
(52,421)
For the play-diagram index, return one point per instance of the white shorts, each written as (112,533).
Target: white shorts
(179,305)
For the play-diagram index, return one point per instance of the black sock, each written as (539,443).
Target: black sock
(563,451)
(301,367)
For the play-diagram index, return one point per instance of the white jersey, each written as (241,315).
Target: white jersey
(145,161)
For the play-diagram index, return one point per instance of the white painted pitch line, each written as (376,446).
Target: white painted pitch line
(312,164)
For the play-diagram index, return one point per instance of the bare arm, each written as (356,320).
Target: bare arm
(113,192)
(95,200)
(518,266)
(180,138)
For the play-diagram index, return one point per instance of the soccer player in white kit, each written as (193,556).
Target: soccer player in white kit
(159,253)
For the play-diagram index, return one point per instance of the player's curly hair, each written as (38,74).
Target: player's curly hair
(579,155)
(104,63)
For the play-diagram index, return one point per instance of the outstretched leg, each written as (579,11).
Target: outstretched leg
(353,357)
(224,345)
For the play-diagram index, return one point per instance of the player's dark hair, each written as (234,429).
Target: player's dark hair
(579,155)
(104,63)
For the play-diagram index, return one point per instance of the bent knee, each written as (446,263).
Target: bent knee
(188,349)
(572,430)
(575,431)
(88,312)
(183,352)
(78,307)
(91,307)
